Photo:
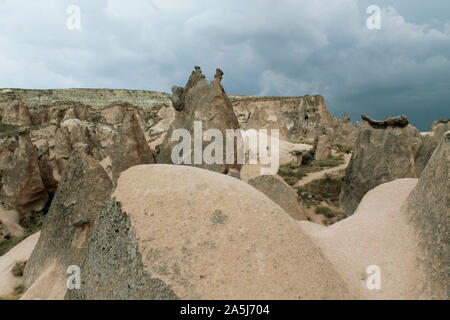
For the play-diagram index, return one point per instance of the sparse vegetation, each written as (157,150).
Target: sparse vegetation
(342,147)
(18,268)
(19,290)
(291,175)
(325,189)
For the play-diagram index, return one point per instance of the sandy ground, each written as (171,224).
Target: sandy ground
(210,236)
(317,175)
(20,252)
(377,234)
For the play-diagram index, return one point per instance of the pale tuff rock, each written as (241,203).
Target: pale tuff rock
(9,223)
(381,154)
(428,209)
(205,102)
(179,235)
(323,149)
(79,198)
(132,148)
(429,144)
(21,182)
(295,117)
(281,193)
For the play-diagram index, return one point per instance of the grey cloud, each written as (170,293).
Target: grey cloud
(265,47)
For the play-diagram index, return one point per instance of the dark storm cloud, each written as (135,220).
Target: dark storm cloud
(264,47)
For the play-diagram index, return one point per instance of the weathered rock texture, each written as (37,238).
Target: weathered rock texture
(428,208)
(79,198)
(295,117)
(192,233)
(382,154)
(132,148)
(323,149)
(205,102)
(429,143)
(20,178)
(281,193)
(59,120)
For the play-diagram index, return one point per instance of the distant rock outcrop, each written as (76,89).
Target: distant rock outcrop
(296,117)
(205,102)
(20,177)
(384,151)
(77,203)
(428,208)
(281,193)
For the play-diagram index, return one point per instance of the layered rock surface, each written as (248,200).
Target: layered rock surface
(383,152)
(296,117)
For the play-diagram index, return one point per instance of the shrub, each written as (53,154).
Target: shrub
(18,268)
(307,158)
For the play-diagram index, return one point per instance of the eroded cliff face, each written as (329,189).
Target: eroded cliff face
(295,117)
(41,128)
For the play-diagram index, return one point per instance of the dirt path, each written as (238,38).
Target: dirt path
(319,174)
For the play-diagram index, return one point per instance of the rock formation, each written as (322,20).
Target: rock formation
(323,149)
(429,143)
(281,193)
(205,102)
(77,203)
(296,117)
(20,178)
(428,209)
(384,151)
(194,243)
(132,148)
(16,113)
(400,227)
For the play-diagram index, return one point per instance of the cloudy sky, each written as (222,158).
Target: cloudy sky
(281,48)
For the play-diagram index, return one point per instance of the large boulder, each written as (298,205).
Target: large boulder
(78,200)
(205,102)
(281,193)
(183,232)
(428,208)
(384,151)
(20,177)
(429,143)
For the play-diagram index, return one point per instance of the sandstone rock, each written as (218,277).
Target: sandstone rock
(323,150)
(16,113)
(380,155)
(428,208)
(429,144)
(162,245)
(21,182)
(296,117)
(281,193)
(132,148)
(78,201)
(205,102)
(399,121)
